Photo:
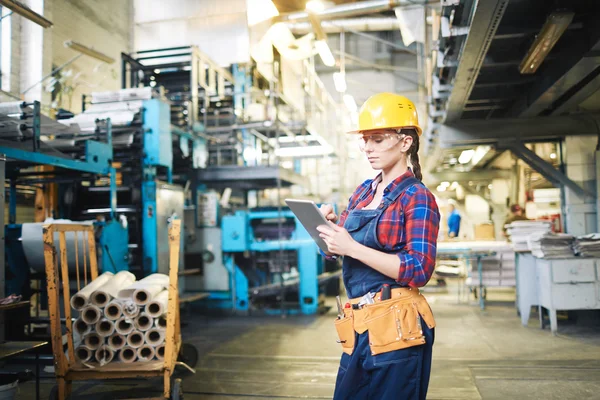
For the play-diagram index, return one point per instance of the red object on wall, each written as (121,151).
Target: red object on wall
(556,222)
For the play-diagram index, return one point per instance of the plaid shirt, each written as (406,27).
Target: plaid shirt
(416,240)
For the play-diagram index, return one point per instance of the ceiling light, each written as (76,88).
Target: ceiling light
(454,186)
(466,156)
(26,12)
(315,6)
(553,155)
(350,103)
(325,53)
(339,80)
(441,188)
(303,151)
(445,184)
(89,52)
(260,11)
(553,28)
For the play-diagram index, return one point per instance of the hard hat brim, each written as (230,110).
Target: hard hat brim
(357,132)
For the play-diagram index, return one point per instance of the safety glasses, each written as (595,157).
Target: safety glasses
(379,141)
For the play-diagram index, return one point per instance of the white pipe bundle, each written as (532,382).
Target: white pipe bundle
(104,355)
(81,298)
(91,314)
(158,305)
(83,353)
(127,354)
(124,326)
(93,341)
(105,293)
(116,341)
(161,322)
(160,352)
(155,336)
(105,327)
(135,339)
(130,309)
(145,353)
(114,310)
(81,327)
(143,322)
(144,290)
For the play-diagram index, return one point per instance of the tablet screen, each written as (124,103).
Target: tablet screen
(310,217)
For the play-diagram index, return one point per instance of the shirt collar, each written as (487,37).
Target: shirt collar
(393,184)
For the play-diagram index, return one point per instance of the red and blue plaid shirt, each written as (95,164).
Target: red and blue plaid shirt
(417,237)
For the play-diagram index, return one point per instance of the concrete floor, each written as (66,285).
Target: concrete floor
(477,355)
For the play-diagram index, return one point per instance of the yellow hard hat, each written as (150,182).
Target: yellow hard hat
(387,111)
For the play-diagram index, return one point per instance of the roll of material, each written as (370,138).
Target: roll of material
(104,355)
(93,341)
(145,353)
(91,314)
(143,322)
(81,327)
(124,326)
(83,353)
(135,339)
(105,293)
(81,298)
(32,239)
(105,327)
(160,352)
(158,305)
(161,322)
(117,341)
(144,290)
(130,309)
(155,337)
(113,310)
(128,354)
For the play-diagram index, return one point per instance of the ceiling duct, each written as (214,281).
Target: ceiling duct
(354,24)
(347,10)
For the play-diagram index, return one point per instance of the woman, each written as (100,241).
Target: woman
(388,237)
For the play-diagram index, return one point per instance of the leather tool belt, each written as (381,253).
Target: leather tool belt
(392,324)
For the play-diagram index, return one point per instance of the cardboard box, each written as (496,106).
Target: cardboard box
(484,232)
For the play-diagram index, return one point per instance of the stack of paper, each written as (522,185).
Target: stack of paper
(519,232)
(551,245)
(588,245)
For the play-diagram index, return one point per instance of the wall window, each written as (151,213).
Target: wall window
(5,48)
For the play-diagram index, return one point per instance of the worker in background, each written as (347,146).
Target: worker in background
(516,214)
(453,221)
(388,238)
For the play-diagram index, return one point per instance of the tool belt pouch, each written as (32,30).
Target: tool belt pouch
(345,331)
(396,324)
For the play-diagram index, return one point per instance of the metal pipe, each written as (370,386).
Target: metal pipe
(339,25)
(347,10)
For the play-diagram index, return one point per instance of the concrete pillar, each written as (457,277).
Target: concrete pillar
(580,159)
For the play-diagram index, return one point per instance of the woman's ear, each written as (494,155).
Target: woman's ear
(407,143)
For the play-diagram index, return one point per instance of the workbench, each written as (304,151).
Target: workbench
(556,285)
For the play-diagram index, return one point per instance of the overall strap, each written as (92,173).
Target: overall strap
(401,188)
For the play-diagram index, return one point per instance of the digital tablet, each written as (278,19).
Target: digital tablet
(310,217)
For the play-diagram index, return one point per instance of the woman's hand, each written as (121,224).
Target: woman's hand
(327,211)
(338,239)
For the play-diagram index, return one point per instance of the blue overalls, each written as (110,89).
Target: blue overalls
(400,374)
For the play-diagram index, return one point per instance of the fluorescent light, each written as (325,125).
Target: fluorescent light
(325,53)
(441,188)
(89,52)
(553,28)
(466,156)
(350,103)
(26,12)
(445,184)
(260,10)
(315,6)
(339,79)
(304,151)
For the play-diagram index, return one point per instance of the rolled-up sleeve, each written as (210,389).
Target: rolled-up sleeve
(421,225)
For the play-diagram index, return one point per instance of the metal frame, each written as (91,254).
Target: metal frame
(485,21)
(556,177)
